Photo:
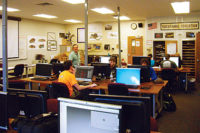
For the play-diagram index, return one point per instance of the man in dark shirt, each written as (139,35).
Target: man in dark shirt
(167,63)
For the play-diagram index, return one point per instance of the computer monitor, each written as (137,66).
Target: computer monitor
(3,111)
(58,68)
(144,73)
(26,102)
(43,70)
(128,76)
(137,59)
(135,114)
(84,73)
(101,69)
(174,59)
(104,59)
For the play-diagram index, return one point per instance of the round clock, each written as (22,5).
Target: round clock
(133,26)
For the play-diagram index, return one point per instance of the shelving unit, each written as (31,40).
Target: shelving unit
(188,56)
(159,51)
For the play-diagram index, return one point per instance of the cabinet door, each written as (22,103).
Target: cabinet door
(197,60)
(135,47)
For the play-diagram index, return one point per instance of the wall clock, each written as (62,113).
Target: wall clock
(133,26)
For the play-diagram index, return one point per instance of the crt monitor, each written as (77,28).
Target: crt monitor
(128,76)
(84,73)
(43,70)
(101,69)
(58,68)
(104,59)
(174,59)
(135,113)
(144,73)
(137,59)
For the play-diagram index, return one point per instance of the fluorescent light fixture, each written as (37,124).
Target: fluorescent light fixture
(102,10)
(10,9)
(74,1)
(181,7)
(44,16)
(72,21)
(122,17)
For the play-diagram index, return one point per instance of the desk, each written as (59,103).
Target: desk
(156,89)
(48,82)
(184,70)
(9,68)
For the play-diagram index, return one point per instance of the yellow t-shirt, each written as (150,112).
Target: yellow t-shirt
(69,79)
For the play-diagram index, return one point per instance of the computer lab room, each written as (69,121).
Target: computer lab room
(99,66)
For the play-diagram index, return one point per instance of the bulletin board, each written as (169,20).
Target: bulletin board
(171,47)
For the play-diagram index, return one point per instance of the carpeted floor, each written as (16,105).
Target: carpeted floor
(186,119)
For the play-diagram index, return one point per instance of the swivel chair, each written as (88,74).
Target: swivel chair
(18,70)
(58,89)
(170,75)
(117,89)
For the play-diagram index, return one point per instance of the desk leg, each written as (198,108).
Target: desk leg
(154,106)
(27,71)
(30,85)
(186,82)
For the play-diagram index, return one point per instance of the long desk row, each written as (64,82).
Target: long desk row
(155,89)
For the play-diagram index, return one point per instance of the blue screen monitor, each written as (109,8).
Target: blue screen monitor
(128,76)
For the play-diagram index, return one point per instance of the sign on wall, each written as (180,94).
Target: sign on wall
(180,26)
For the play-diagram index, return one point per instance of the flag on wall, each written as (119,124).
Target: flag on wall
(152,26)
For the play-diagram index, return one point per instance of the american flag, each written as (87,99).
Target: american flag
(152,26)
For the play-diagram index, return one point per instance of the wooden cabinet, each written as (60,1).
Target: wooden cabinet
(188,56)
(197,61)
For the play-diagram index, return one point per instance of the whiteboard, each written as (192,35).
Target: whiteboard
(12,39)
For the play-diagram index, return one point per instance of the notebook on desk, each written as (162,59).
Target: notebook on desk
(128,76)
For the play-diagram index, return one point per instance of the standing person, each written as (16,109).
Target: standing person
(153,76)
(167,63)
(152,60)
(68,77)
(112,68)
(74,55)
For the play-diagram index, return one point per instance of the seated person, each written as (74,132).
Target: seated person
(68,77)
(167,63)
(113,66)
(152,60)
(153,76)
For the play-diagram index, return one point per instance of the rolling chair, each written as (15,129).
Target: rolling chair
(58,89)
(18,70)
(117,89)
(170,75)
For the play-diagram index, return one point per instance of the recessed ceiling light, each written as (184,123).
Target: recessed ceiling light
(181,7)
(122,17)
(102,10)
(10,9)
(44,16)
(72,21)
(74,1)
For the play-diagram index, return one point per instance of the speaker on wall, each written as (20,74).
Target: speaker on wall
(140,25)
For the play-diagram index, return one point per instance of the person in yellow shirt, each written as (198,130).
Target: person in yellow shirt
(68,77)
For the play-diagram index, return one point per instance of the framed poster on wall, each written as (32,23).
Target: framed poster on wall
(80,35)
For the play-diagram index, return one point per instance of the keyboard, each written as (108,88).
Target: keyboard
(39,79)
(132,86)
(84,83)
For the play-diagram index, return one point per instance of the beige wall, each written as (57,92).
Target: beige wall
(35,28)
(100,27)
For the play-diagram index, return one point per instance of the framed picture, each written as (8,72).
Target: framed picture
(190,34)
(169,35)
(51,45)
(158,35)
(80,35)
(108,27)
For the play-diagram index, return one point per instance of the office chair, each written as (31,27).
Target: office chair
(58,89)
(117,89)
(17,84)
(52,105)
(18,70)
(170,75)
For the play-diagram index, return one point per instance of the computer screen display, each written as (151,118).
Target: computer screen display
(84,73)
(129,76)
(44,70)
(104,59)
(174,59)
(101,69)
(144,73)
(137,59)
(58,68)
